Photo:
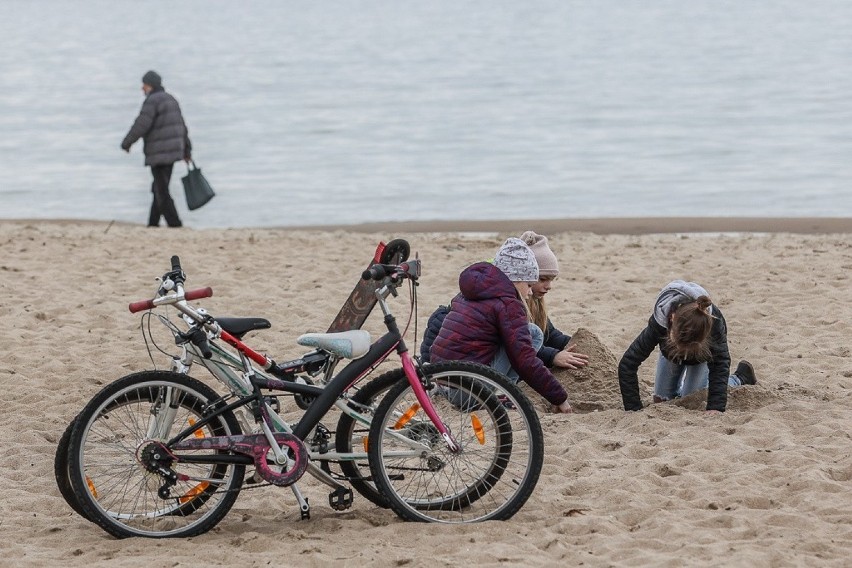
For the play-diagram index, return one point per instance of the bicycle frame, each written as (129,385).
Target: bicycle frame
(248,390)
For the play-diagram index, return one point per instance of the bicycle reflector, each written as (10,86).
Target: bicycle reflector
(477,429)
(198,433)
(194,492)
(405,418)
(91,485)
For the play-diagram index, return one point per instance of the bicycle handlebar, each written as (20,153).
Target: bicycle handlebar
(410,269)
(142,305)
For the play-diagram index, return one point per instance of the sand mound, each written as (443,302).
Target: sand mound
(739,398)
(591,388)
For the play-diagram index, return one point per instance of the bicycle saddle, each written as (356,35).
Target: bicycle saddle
(238,327)
(347,344)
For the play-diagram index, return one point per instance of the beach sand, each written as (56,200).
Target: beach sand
(768,483)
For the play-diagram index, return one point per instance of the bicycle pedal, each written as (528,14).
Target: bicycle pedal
(340,499)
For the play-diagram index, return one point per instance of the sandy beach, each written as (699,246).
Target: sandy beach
(767,483)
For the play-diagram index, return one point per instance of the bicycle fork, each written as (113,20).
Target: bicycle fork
(425,401)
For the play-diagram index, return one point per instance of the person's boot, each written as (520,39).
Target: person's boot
(745,372)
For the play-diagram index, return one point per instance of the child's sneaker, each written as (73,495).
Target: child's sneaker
(745,372)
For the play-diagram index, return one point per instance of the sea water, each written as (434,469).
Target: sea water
(343,112)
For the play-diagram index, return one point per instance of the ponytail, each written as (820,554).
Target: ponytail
(689,331)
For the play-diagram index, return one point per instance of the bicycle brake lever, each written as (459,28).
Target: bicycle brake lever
(199,339)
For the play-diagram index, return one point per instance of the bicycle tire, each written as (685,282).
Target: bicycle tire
(61,471)
(496,426)
(350,434)
(111,485)
(474,398)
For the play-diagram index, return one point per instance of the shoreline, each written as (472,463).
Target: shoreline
(600,226)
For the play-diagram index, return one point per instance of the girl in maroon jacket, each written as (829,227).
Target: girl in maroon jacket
(488,322)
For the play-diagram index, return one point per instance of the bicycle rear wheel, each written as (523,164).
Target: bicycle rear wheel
(135,415)
(352,436)
(500,438)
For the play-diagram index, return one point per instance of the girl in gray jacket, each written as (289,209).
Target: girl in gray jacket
(692,336)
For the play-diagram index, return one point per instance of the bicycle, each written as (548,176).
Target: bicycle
(161,454)
(352,315)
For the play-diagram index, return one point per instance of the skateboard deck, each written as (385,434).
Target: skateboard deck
(357,307)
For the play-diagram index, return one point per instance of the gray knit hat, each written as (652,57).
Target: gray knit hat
(547,265)
(152,78)
(517,261)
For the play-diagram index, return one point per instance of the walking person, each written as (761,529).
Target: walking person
(693,339)
(165,137)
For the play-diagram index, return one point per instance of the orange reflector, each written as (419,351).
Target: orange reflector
(198,433)
(409,414)
(91,485)
(194,492)
(477,429)
(366,441)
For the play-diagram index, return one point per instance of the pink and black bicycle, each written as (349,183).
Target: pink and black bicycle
(162,454)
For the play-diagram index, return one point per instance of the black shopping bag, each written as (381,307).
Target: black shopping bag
(197,188)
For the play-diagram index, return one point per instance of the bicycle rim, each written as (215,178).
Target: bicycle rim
(500,459)
(128,418)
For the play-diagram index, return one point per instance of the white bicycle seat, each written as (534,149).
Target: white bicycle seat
(347,344)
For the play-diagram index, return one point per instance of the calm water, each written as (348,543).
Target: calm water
(346,112)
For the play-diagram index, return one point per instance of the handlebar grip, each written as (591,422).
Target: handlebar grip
(141,305)
(375,272)
(175,263)
(198,293)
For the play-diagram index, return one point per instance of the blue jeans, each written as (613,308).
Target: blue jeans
(673,380)
(501,363)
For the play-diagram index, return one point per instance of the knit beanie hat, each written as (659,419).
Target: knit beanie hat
(152,78)
(547,265)
(517,261)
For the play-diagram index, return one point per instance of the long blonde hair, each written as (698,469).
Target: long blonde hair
(537,311)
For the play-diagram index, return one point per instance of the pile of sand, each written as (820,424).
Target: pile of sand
(590,388)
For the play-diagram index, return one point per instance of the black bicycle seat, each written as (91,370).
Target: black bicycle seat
(238,327)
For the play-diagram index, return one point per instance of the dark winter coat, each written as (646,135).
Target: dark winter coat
(653,336)
(433,327)
(554,342)
(488,314)
(162,128)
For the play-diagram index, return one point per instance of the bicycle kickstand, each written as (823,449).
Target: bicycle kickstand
(304,506)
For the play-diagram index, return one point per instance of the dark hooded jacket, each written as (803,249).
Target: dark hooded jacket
(162,128)
(554,340)
(488,314)
(655,334)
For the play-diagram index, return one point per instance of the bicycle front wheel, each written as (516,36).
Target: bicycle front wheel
(113,439)
(501,444)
